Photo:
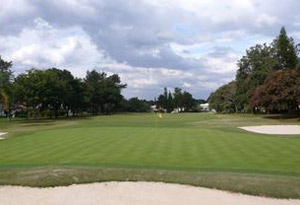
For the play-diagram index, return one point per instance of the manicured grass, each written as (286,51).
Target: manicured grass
(199,149)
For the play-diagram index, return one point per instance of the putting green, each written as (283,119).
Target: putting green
(180,142)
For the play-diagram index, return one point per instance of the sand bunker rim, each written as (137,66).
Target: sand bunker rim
(1,135)
(132,193)
(274,129)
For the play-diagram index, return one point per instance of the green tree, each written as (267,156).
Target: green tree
(162,100)
(170,102)
(254,67)
(286,51)
(223,99)
(78,96)
(178,98)
(188,101)
(57,90)
(137,105)
(112,93)
(6,89)
(166,99)
(104,92)
(45,90)
(94,82)
(29,89)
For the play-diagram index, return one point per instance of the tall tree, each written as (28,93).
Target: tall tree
(170,102)
(187,101)
(104,92)
(29,89)
(254,67)
(6,87)
(94,82)
(178,98)
(57,90)
(112,93)
(5,73)
(166,98)
(161,102)
(286,51)
(78,97)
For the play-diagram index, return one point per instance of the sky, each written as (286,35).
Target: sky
(151,44)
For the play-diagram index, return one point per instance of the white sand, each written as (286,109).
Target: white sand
(2,133)
(131,193)
(275,129)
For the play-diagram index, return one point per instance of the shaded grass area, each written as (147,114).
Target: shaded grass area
(197,149)
(260,185)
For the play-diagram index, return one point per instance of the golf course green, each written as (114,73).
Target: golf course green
(199,149)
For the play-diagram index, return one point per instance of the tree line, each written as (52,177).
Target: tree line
(40,93)
(54,92)
(267,80)
(178,101)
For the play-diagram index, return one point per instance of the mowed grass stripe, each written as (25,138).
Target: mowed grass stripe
(199,149)
(188,142)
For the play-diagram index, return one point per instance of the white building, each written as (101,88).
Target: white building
(205,107)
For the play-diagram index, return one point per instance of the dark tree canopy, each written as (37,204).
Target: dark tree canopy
(5,73)
(183,101)
(266,79)
(258,63)
(280,92)
(223,100)
(104,92)
(55,92)
(136,105)
(6,87)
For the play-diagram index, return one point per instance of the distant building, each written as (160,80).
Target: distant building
(178,110)
(153,108)
(205,107)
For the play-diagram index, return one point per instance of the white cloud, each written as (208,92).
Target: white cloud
(266,20)
(150,43)
(15,7)
(82,8)
(224,65)
(187,85)
(149,82)
(44,46)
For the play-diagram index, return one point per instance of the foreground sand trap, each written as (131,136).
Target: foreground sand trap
(2,133)
(275,129)
(131,193)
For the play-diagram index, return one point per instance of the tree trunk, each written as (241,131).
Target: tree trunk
(55,113)
(8,115)
(28,114)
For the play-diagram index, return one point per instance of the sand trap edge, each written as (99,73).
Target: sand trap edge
(274,129)
(1,134)
(133,193)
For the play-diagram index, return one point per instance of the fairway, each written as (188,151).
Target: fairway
(198,149)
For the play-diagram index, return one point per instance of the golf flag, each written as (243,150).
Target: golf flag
(160,115)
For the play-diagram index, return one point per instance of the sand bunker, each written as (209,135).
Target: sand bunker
(275,129)
(131,193)
(1,137)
